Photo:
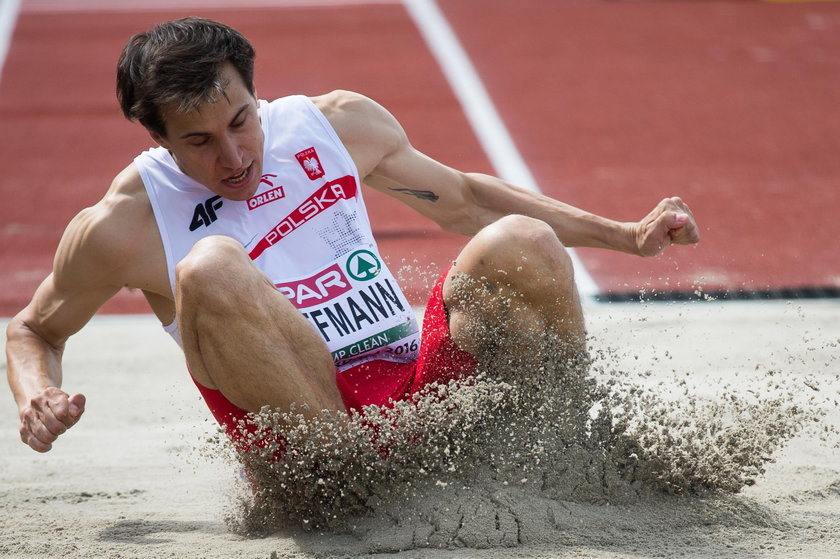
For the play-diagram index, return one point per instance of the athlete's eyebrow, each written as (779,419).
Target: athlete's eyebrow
(241,110)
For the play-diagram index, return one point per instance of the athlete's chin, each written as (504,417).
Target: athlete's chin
(239,194)
(244,190)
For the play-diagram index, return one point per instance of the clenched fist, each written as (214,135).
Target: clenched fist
(48,415)
(671,222)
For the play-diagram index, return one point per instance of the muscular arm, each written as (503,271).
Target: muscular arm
(34,347)
(465,202)
(89,268)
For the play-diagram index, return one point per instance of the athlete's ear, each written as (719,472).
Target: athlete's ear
(159,140)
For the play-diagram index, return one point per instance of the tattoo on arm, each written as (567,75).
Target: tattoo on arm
(422,194)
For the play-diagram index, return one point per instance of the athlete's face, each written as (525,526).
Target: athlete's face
(220,144)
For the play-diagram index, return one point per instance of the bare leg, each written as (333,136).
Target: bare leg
(518,284)
(244,338)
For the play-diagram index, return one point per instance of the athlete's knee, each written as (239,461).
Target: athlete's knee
(519,232)
(528,242)
(213,262)
(208,256)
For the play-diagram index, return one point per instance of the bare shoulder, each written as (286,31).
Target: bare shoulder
(342,105)
(111,235)
(366,128)
(113,221)
(108,246)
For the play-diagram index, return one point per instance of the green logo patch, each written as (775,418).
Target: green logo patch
(363,265)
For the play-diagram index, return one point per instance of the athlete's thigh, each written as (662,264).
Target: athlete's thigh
(244,338)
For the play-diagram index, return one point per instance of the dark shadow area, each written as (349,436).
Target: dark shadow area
(146,532)
(722,295)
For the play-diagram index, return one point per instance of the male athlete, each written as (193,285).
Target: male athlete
(247,232)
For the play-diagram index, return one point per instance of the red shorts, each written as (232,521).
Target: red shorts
(380,382)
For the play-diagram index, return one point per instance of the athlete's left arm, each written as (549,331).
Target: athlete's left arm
(465,202)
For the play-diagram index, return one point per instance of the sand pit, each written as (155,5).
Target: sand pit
(136,478)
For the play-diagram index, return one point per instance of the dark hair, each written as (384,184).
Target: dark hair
(179,62)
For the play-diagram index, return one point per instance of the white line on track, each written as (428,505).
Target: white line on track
(8,16)
(480,111)
(441,39)
(62,6)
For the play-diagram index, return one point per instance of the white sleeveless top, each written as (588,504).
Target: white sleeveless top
(306,227)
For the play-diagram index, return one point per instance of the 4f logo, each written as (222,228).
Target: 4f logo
(205,213)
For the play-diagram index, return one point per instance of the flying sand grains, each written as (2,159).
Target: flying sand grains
(554,423)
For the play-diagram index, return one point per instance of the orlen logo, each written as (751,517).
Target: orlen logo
(265,197)
(323,286)
(339,189)
(310,162)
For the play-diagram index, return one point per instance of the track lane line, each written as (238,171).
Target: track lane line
(8,16)
(480,111)
(440,38)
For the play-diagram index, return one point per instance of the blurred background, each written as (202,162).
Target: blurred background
(611,106)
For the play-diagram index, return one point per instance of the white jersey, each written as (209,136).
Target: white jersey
(306,227)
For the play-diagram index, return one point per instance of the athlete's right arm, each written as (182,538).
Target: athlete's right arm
(87,271)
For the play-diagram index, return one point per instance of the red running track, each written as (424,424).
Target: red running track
(731,105)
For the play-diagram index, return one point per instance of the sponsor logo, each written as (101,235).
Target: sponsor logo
(347,315)
(363,265)
(320,288)
(323,198)
(205,214)
(264,179)
(380,340)
(310,162)
(264,198)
